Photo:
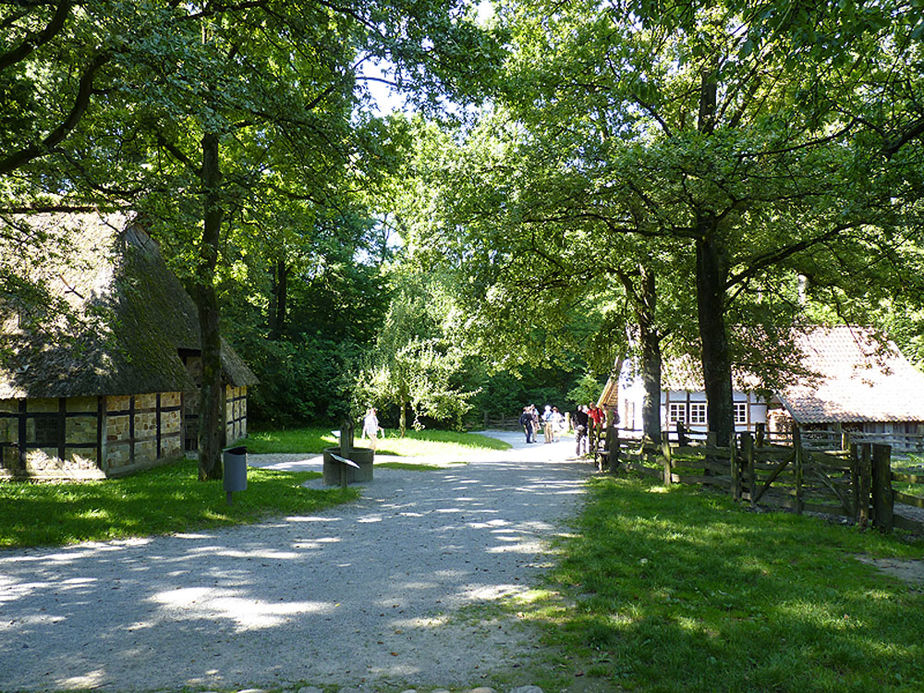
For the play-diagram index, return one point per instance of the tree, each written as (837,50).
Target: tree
(416,364)
(728,130)
(211,102)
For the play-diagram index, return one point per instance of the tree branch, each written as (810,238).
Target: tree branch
(81,101)
(34,40)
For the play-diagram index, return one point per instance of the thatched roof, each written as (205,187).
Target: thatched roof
(108,316)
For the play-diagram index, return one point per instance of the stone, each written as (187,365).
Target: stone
(526,689)
(482,689)
(309,689)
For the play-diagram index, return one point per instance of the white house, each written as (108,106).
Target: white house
(859,384)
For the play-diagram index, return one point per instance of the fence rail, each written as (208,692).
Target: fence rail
(855,482)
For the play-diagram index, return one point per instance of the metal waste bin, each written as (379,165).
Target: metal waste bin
(235,470)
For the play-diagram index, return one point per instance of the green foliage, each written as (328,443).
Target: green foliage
(157,501)
(587,390)
(678,589)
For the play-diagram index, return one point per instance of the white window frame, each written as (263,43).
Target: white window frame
(741,412)
(677,411)
(697,413)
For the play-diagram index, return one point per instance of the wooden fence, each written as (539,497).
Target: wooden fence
(855,482)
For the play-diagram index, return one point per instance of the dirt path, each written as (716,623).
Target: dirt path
(365,594)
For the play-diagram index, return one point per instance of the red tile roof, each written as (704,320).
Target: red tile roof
(858,379)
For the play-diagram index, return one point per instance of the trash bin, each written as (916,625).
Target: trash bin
(235,469)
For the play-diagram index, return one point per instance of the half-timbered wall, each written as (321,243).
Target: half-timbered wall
(86,437)
(235,413)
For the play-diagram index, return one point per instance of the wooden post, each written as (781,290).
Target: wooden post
(760,430)
(612,444)
(797,462)
(733,466)
(854,452)
(845,440)
(748,444)
(666,455)
(883,498)
(682,435)
(864,485)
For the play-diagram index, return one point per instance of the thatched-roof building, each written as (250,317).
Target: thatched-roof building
(100,352)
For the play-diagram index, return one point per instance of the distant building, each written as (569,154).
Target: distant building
(109,385)
(857,384)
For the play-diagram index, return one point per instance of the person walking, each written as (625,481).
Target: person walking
(580,430)
(595,417)
(557,420)
(547,423)
(537,423)
(371,427)
(526,421)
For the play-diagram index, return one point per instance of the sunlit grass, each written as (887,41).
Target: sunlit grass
(680,590)
(408,466)
(157,501)
(414,444)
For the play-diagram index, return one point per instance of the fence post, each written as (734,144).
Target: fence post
(733,466)
(760,431)
(666,455)
(748,444)
(612,444)
(865,479)
(681,434)
(797,460)
(854,454)
(883,498)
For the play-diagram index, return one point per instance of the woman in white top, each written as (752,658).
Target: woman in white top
(371,427)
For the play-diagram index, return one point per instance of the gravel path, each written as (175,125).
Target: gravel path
(359,595)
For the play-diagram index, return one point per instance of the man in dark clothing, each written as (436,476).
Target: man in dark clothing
(526,421)
(580,429)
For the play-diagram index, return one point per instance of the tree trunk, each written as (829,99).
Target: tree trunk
(651,358)
(402,419)
(211,413)
(710,298)
(279,300)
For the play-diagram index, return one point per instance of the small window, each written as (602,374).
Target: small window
(677,412)
(47,431)
(741,412)
(697,412)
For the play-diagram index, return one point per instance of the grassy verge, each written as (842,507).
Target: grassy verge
(671,589)
(913,464)
(415,443)
(410,466)
(157,501)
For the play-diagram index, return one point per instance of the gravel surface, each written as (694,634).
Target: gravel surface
(361,595)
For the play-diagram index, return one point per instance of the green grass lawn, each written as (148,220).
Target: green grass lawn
(156,501)
(674,589)
(913,464)
(414,444)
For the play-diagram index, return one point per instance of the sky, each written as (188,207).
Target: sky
(387,101)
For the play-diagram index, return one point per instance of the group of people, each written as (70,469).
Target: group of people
(587,421)
(551,422)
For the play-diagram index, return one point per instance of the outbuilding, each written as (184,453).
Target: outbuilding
(100,359)
(853,381)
